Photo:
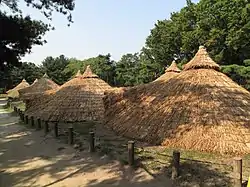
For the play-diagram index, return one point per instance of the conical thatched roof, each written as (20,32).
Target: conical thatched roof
(88,73)
(78,74)
(170,72)
(200,109)
(35,81)
(41,85)
(14,93)
(79,99)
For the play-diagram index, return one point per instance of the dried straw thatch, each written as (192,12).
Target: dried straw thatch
(170,72)
(14,93)
(37,101)
(199,109)
(35,81)
(79,99)
(41,85)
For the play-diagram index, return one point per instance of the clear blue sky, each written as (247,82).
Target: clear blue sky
(102,26)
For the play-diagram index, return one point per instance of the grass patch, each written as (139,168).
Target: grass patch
(196,167)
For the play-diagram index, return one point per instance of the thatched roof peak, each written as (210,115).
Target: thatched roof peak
(88,73)
(14,93)
(173,68)
(45,76)
(201,60)
(78,74)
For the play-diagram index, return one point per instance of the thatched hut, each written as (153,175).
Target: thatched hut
(39,86)
(79,99)
(170,72)
(36,102)
(199,109)
(14,93)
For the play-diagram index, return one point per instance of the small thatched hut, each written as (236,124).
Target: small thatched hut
(39,86)
(200,109)
(79,99)
(170,72)
(14,93)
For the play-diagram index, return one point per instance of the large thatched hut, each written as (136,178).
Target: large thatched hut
(170,72)
(39,86)
(200,109)
(79,99)
(14,93)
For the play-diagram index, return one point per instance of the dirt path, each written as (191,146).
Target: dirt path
(29,159)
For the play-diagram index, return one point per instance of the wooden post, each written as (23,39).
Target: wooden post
(22,116)
(176,164)
(46,127)
(71,136)
(32,122)
(26,119)
(91,142)
(131,153)
(237,172)
(15,109)
(56,129)
(39,125)
(19,112)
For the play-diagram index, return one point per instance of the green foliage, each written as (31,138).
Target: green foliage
(28,71)
(103,66)
(13,76)
(240,74)
(21,33)
(223,26)
(17,37)
(73,66)
(54,67)
(134,69)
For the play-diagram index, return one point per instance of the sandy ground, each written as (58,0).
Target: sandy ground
(30,159)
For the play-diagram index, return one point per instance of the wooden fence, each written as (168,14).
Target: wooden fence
(58,129)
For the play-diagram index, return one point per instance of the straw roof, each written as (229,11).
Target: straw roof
(79,99)
(170,72)
(199,109)
(78,74)
(35,81)
(14,93)
(41,85)
(201,60)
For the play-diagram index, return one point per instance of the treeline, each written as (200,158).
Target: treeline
(130,70)
(223,26)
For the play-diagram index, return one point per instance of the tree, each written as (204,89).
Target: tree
(223,26)
(73,66)
(14,75)
(103,66)
(21,33)
(54,67)
(127,70)
(17,37)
